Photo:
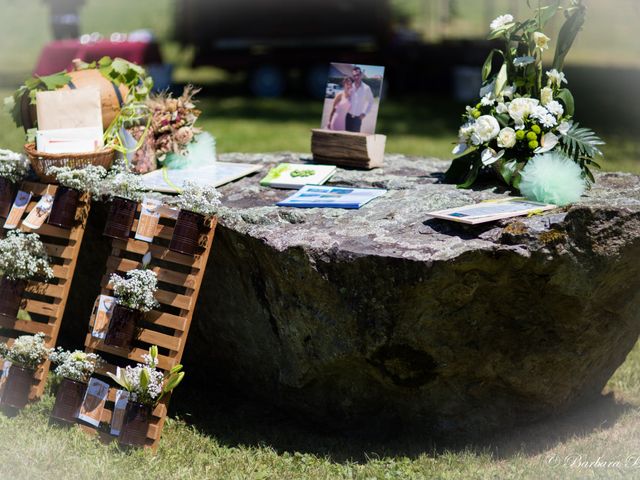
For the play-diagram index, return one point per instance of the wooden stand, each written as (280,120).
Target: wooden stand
(348,149)
(45,302)
(179,280)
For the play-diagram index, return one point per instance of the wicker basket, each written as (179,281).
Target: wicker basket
(41,161)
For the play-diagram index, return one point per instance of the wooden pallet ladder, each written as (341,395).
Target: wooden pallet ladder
(179,280)
(45,302)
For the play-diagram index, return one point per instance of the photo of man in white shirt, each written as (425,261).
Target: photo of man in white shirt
(361,102)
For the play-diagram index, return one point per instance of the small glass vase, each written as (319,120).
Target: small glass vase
(65,204)
(122,327)
(17,387)
(68,401)
(135,425)
(122,212)
(186,233)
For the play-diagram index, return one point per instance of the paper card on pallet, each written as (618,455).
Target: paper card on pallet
(93,402)
(18,208)
(149,218)
(105,305)
(40,213)
(122,398)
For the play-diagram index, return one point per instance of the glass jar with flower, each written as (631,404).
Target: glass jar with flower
(124,190)
(134,296)
(147,385)
(75,369)
(13,169)
(23,257)
(73,183)
(196,203)
(26,354)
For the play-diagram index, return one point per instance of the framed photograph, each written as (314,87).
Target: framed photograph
(352,97)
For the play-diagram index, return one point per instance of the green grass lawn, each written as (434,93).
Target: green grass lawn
(233,438)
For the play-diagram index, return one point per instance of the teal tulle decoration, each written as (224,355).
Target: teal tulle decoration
(200,153)
(552,178)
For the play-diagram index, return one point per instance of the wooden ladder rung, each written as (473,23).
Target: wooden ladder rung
(26,326)
(135,354)
(164,275)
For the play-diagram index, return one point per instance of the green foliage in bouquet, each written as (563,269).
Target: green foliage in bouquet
(522,113)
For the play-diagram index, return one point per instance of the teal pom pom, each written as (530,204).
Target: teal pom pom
(200,153)
(552,178)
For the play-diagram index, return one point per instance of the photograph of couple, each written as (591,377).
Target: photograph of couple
(352,97)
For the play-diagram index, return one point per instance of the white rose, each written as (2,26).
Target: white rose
(546,95)
(520,108)
(541,41)
(507,138)
(486,129)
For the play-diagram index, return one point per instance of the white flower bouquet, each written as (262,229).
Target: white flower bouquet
(87,179)
(77,366)
(27,351)
(522,113)
(204,200)
(13,166)
(23,257)
(145,383)
(137,290)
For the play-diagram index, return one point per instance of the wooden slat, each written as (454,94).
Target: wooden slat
(115,264)
(158,252)
(135,354)
(61,271)
(47,230)
(166,320)
(160,339)
(47,289)
(42,308)
(171,299)
(60,251)
(25,326)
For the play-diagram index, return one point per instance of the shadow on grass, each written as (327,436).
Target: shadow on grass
(237,421)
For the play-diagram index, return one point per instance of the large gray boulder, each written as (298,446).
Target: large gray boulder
(384,314)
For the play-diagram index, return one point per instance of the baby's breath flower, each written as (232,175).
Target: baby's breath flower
(27,351)
(195,198)
(23,257)
(137,290)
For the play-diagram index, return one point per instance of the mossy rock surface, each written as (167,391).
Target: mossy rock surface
(384,315)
